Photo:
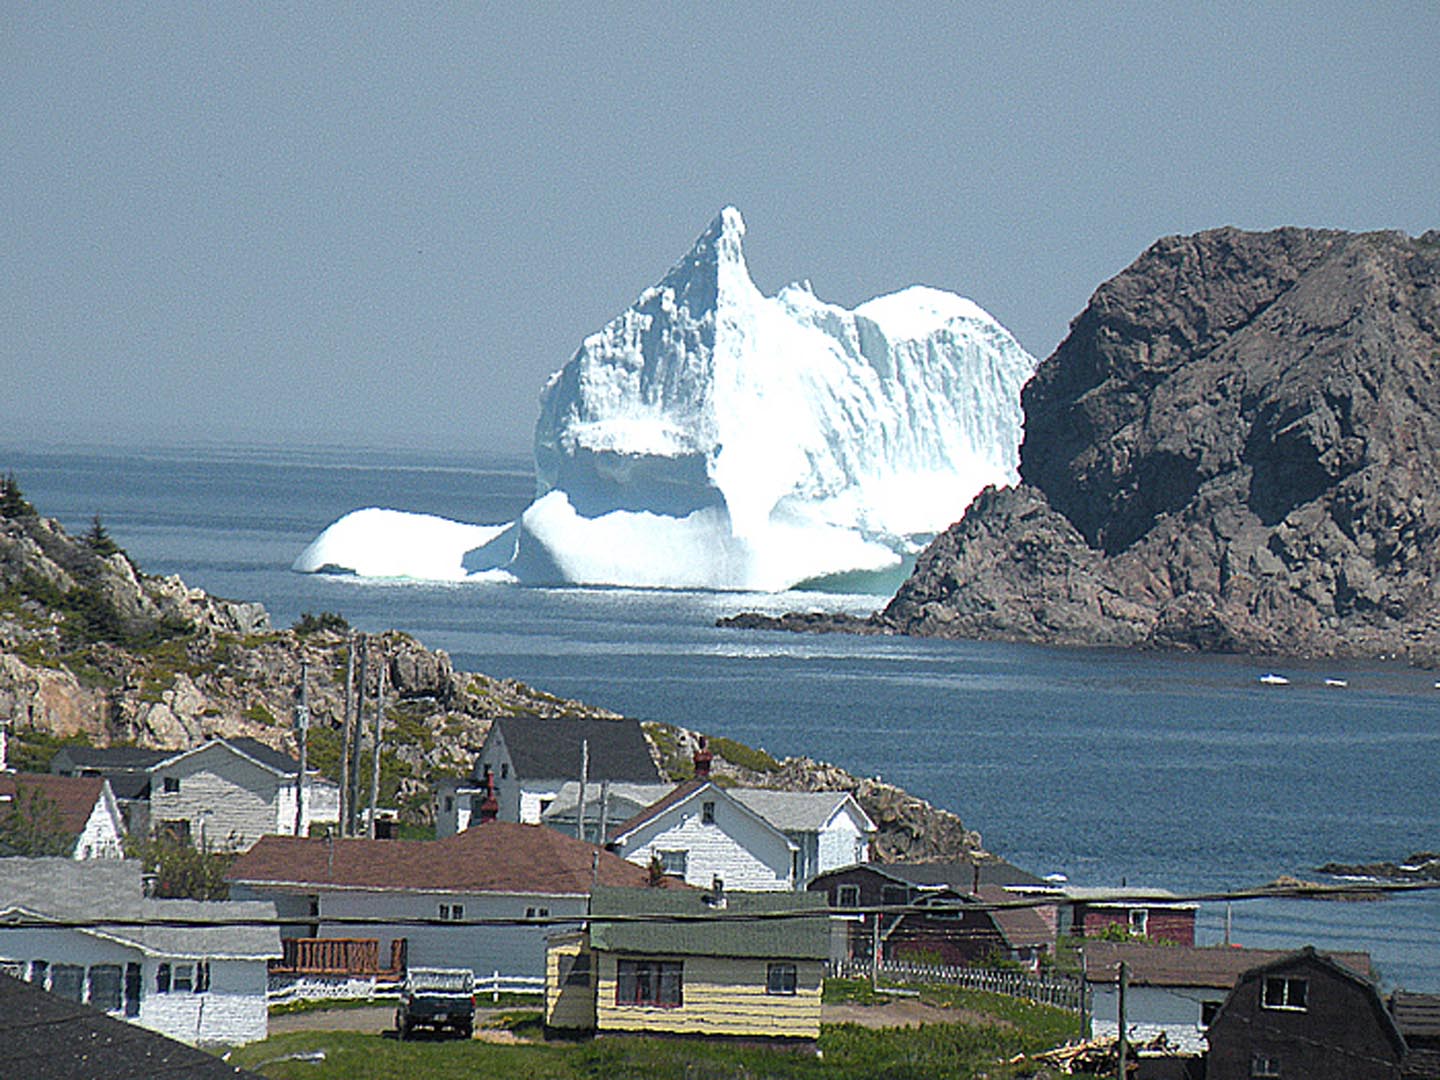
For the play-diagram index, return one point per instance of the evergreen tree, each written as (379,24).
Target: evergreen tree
(33,826)
(12,500)
(98,539)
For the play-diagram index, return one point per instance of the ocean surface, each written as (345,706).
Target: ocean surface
(1110,767)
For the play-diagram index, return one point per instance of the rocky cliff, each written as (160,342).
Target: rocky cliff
(1236,448)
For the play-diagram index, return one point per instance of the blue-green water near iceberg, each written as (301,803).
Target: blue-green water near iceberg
(1109,767)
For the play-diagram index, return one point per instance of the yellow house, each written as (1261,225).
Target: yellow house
(692,962)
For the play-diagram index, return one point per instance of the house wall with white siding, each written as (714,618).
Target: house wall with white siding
(322,805)
(737,847)
(843,843)
(227,797)
(720,996)
(1150,1010)
(103,833)
(232,1011)
(510,950)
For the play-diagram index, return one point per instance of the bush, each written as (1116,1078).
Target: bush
(182,871)
(309,623)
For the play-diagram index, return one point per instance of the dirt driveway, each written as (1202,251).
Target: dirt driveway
(901,1012)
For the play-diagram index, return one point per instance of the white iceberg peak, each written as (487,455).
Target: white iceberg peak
(710,436)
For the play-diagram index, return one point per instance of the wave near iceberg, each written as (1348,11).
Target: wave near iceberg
(713,437)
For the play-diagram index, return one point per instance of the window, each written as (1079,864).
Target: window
(68,981)
(674,862)
(1264,1065)
(105,987)
(847,895)
(1139,920)
(504,770)
(707,813)
(1282,992)
(449,804)
(162,979)
(171,785)
(202,976)
(650,982)
(182,977)
(37,972)
(1208,1009)
(14,968)
(452,912)
(537,912)
(780,979)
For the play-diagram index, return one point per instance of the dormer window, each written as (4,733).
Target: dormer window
(1285,992)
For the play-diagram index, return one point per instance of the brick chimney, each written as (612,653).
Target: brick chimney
(490,806)
(703,757)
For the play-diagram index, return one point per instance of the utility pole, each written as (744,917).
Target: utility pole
(875,951)
(357,744)
(1124,981)
(1084,998)
(349,734)
(302,730)
(375,761)
(584,776)
(604,812)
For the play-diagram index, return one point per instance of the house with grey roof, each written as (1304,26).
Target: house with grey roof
(532,758)
(606,804)
(828,828)
(228,793)
(127,768)
(192,970)
(711,964)
(47,1037)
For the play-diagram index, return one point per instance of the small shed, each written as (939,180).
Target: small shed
(747,966)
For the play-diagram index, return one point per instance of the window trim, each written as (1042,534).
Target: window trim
(707,812)
(669,856)
(1138,921)
(115,1000)
(170,785)
(1286,985)
(1264,1065)
(782,978)
(663,979)
(847,895)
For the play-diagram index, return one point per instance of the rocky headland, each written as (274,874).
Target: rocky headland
(93,649)
(1235,449)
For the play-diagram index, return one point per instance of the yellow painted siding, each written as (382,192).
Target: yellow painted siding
(721,997)
(569,1007)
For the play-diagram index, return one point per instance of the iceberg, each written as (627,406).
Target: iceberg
(713,437)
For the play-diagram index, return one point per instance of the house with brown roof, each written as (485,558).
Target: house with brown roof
(1304,1015)
(1173,990)
(946,922)
(81,809)
(484,898)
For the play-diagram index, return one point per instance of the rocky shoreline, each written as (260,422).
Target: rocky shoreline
(1421,867)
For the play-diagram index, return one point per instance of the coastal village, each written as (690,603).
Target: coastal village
(622,879)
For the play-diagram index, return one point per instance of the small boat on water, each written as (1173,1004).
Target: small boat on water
(1271,679)
(1337,682)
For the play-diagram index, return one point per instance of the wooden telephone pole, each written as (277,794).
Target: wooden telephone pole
(302,731)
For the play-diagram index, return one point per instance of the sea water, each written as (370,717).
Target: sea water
(1113,768)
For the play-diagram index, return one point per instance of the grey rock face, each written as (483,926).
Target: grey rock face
(1237,448)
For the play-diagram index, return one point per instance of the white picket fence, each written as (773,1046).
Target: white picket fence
(1060,991)
(343,988)
(497,984)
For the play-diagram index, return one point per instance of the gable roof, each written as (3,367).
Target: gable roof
(74,796)
(800,811)
(1022,927)
(551,748)
(93,892)
(740,929)
(687,792)
(493,856)
(49,1038)
(266,757)
(959,874)
(1215,966)
(636,796)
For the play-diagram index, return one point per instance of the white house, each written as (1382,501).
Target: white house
(440,895)
(1173,989)
(81,807)
(700,832)
(198,984)
(828,828)
(531,758)
(231,792)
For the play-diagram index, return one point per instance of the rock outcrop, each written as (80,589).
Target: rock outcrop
(1237,449)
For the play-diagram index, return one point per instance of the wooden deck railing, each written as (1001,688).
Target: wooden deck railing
(338,956)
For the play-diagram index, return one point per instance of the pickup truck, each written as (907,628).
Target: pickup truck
(442,999)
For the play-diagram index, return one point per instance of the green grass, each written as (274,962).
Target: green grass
(999,1028)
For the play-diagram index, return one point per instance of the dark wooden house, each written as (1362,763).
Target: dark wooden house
(1304,1016)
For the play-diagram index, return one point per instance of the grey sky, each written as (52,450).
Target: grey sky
(344,224)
